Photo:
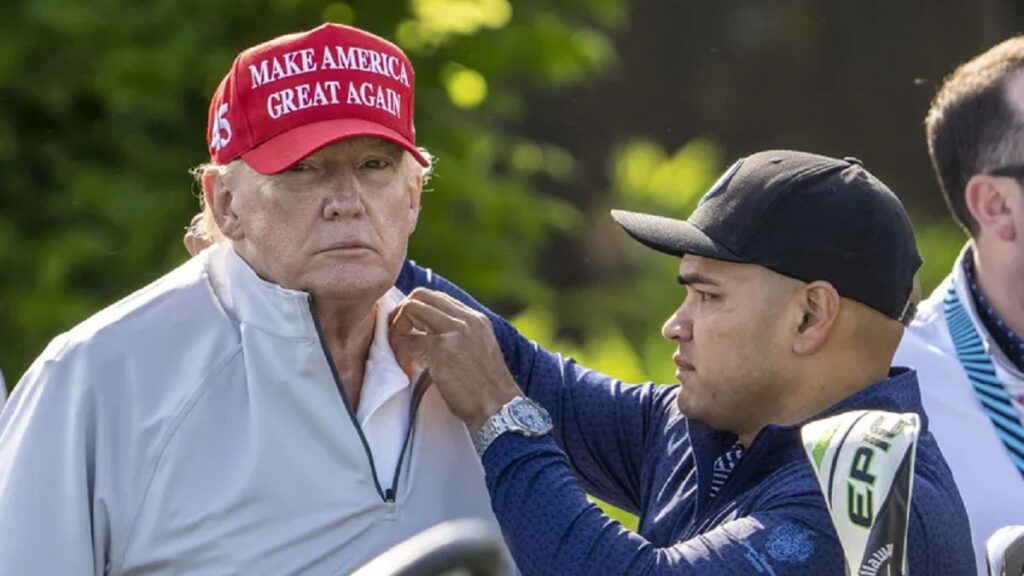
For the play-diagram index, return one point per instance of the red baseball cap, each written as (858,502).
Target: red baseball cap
(287,98)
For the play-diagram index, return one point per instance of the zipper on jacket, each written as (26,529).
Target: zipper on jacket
(418,390)
(728,490)
(422,383)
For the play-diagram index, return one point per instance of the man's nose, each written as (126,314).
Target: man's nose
(343,199)
(677,327)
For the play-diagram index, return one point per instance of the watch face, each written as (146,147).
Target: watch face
(530,416)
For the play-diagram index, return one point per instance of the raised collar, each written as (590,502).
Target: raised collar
(961,286)
(288,314)
(1008,341)
(270,308)
(383,377)
(256,303)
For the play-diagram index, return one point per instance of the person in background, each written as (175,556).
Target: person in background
(967,341)
(799,275)
(245,413)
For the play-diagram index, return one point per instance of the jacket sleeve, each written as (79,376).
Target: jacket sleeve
(939,536)
(552,529)
(48,520)
(602,424)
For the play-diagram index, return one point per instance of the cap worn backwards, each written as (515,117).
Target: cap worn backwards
(802,215)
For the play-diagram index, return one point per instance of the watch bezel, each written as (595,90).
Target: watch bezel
(513,416)
(506,420)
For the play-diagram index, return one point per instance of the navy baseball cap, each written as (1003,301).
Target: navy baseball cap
(802,215)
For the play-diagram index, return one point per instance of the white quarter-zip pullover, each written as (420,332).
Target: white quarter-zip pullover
(196,427)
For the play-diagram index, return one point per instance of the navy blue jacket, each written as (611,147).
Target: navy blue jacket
(630,446)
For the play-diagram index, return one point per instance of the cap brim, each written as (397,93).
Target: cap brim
(289,147)
(671,236)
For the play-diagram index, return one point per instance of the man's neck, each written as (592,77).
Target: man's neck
(997,278)
(816,391)
(348,333)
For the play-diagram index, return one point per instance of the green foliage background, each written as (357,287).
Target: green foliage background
(103,111)
(104,107)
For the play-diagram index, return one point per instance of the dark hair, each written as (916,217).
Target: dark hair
(971,125)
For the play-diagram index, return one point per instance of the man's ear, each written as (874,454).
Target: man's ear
(988,199)
(219,197)
(819,303)
(415,195)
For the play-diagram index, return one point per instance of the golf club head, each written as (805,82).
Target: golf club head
(864,461)
(1006,552)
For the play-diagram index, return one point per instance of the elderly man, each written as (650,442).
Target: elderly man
(799,274)
(968,337)
(245,414)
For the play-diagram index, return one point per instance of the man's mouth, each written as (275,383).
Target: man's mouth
(683,365)
(346,245)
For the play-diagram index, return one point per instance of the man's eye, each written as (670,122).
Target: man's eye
(376,163)
(705,297)
(300,167)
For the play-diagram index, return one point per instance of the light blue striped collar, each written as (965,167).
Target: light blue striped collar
(981,372)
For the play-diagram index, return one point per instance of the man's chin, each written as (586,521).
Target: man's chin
(355,283)
(685,405)
(689,405)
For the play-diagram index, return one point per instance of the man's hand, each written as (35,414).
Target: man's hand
(194,242)
(458,345)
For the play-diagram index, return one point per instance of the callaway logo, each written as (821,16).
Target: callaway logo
(876,561)
(221,129)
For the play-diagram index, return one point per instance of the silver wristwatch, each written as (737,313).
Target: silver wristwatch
(521,415)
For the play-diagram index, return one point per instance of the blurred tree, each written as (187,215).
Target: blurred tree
(836,78)
(104,112)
